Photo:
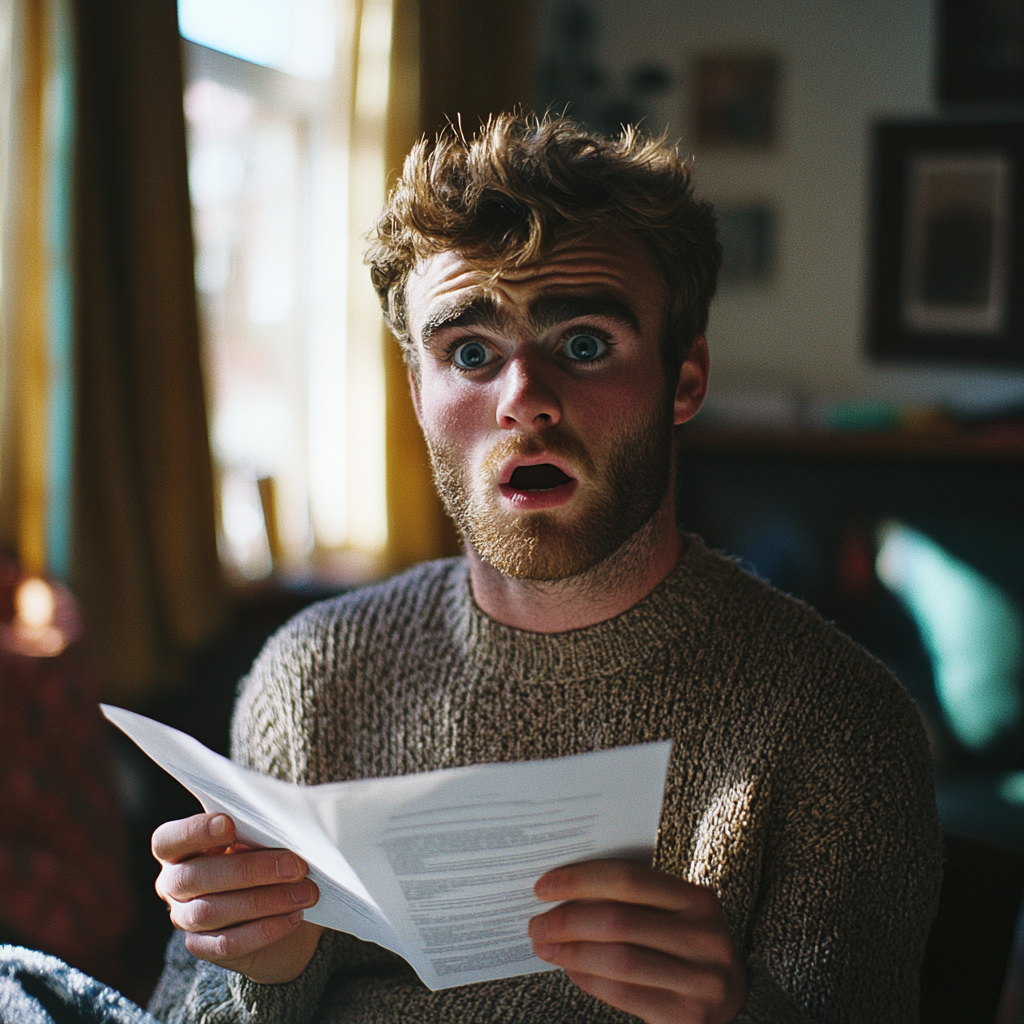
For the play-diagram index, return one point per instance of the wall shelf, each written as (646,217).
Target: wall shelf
(992,445)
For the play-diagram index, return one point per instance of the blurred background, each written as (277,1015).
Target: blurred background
(203,426)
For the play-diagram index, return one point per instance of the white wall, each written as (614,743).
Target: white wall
(845,63)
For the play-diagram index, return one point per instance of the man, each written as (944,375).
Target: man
(550,291)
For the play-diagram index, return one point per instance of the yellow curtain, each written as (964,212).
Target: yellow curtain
(477,59)
(23,344)
(145,563)
(448,58)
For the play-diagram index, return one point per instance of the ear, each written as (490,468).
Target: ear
(414,390)
(692,385)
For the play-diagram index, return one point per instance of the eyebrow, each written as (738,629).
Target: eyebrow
(546,311)
(481,311)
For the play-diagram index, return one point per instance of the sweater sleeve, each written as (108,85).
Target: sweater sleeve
(766,1002)
(851,872)
(267,736)
(193,991)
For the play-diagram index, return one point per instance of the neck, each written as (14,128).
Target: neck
(608,589)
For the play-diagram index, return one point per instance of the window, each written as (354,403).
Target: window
(285,104)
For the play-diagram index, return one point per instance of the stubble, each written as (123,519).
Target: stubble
(616,499)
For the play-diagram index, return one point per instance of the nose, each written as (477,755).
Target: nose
(528,399)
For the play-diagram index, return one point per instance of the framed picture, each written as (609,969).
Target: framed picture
(747,233)
(734,100)
(948,242)
(981,52)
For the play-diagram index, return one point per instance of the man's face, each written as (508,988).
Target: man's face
(543,399)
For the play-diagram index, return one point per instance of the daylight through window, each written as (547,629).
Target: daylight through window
(292,342)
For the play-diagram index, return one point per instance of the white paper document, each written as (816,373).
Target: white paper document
(438,867)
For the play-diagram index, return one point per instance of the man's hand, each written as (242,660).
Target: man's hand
(239,907)
(642,941)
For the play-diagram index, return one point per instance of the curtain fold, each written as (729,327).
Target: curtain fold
(418,528)
(476,59)
(144,558)
(23,353)
(449,58)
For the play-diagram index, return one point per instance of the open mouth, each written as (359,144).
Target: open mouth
(544,477)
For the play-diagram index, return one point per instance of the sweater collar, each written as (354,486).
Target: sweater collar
(606,648)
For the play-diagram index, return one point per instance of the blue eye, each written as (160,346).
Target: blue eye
(585,348)
(471,356)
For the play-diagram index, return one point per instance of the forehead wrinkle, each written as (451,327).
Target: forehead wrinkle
(547,311)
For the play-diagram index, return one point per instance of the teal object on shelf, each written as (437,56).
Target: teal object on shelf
(855,416)
(972,630)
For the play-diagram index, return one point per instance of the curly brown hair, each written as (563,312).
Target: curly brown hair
(524,185)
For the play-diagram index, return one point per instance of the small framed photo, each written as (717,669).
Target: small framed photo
(948,242)
(981,52)
(735,97)
(747,233)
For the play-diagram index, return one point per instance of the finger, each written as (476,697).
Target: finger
(221,911)
(606,921)
(634,965)
(237,946)
(248,869)
(626,882)
(176,840)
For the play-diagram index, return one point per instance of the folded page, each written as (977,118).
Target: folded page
(267,812)
(440,866)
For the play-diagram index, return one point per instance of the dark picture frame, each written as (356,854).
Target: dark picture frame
(747,232)
(947,258)
(981,52)
(735,98)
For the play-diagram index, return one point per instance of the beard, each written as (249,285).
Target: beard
(614,499)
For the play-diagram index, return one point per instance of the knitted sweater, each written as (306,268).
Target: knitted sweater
(799,787)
